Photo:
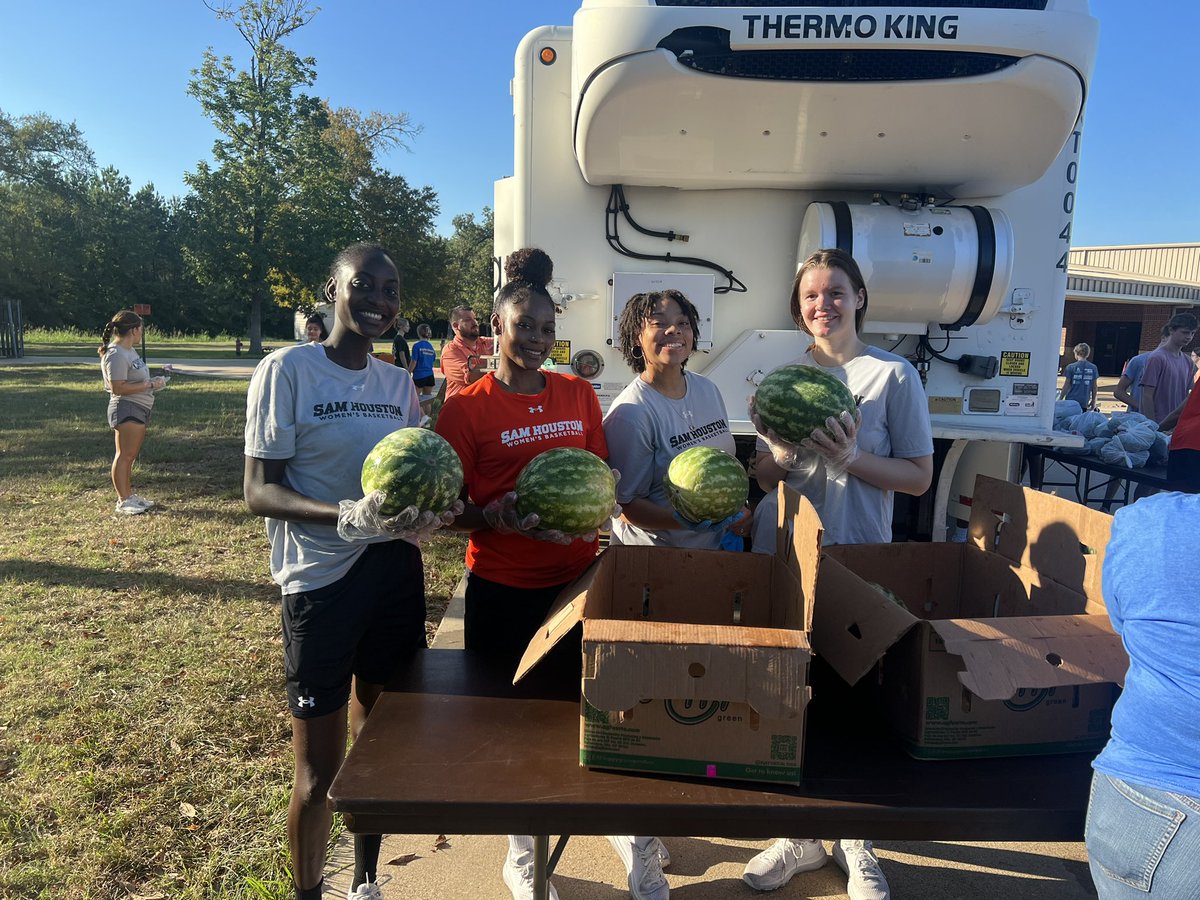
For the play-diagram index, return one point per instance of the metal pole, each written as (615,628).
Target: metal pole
(541,856)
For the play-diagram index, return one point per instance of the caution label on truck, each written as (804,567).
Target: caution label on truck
(1015,363)
(561,353)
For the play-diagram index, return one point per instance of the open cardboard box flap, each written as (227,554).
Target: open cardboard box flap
(631,659)
(855,624)
(1005,655)
(1065,543)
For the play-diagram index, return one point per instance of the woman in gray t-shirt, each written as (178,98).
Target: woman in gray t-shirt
(849,471)
(664,411)
(131,397)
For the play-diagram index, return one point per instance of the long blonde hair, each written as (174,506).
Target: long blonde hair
(122,323)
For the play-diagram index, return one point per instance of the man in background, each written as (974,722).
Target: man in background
(1081,377)
(1168,376)
(463,358)
(1129,386)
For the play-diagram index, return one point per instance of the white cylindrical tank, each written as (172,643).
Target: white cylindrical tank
(945,265)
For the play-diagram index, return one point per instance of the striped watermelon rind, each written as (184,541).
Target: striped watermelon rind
(413,467)
(705,483)
(572,490)
(795,400)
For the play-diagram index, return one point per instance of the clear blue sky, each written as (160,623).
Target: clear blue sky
(119,70)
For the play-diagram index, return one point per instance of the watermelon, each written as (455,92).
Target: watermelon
(795,400)
(413,467)
(571,490)
(706,483)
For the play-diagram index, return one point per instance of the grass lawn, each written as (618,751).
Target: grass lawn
(144,736)
(72,342)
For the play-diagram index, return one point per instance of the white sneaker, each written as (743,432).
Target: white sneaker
(141,501)
(518,876)
(643,865)
(130,507)
(775,866)
(368,890)
(857,859)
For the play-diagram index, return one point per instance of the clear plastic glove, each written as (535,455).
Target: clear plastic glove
(158,382)
(360,520)
(708,525)
(837,443)
(501,515)
(787,455)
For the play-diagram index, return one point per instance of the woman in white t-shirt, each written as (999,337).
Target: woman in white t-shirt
(353,606)
(130,399)
(850,471)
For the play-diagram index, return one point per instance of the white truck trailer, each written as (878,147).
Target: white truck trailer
(711,145)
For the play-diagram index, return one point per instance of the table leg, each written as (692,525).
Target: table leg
(541,877)
(1037,466)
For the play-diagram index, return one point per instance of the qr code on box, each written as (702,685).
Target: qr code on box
(783,746)
(937,708)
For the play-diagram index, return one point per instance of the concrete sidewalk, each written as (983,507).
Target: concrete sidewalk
(467,867)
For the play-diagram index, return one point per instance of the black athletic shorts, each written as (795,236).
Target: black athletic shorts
(364,625)
(424,381)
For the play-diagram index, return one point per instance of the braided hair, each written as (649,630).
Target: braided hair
(635,315)
(527,272)
(122,323)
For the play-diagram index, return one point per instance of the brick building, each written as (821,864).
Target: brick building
(1118,298)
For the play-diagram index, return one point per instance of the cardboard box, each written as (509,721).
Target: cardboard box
(1002,646)
(695,662)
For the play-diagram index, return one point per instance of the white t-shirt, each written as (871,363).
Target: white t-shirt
(121,364)
(645,431)
(324,420)
(895,423)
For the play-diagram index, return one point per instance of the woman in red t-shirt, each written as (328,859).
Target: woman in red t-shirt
(514,571)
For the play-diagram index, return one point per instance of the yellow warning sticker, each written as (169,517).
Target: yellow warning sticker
(1014,363)
(561,353)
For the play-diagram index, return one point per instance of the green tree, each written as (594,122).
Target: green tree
(269,129)
(470,269)
(45,166)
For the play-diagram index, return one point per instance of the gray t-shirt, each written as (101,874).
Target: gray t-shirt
(120,364)
(895,423)
(645,431)
(324,420)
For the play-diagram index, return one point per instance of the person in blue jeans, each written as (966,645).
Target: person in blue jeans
(1143,820)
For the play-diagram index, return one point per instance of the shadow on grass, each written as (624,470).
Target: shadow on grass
(170,584)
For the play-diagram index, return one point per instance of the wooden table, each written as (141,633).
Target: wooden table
(453,747)
(1083,468)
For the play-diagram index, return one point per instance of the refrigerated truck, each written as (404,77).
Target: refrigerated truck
(711,146)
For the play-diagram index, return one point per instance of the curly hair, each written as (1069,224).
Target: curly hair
(527,272)
(122,323)
(830,259)
(638,311)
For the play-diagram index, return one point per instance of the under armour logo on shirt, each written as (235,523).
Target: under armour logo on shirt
(534,409)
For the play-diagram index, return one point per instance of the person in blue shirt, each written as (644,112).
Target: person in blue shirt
(1080,379)
(1143,821)
(1129,386)
(423,359)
